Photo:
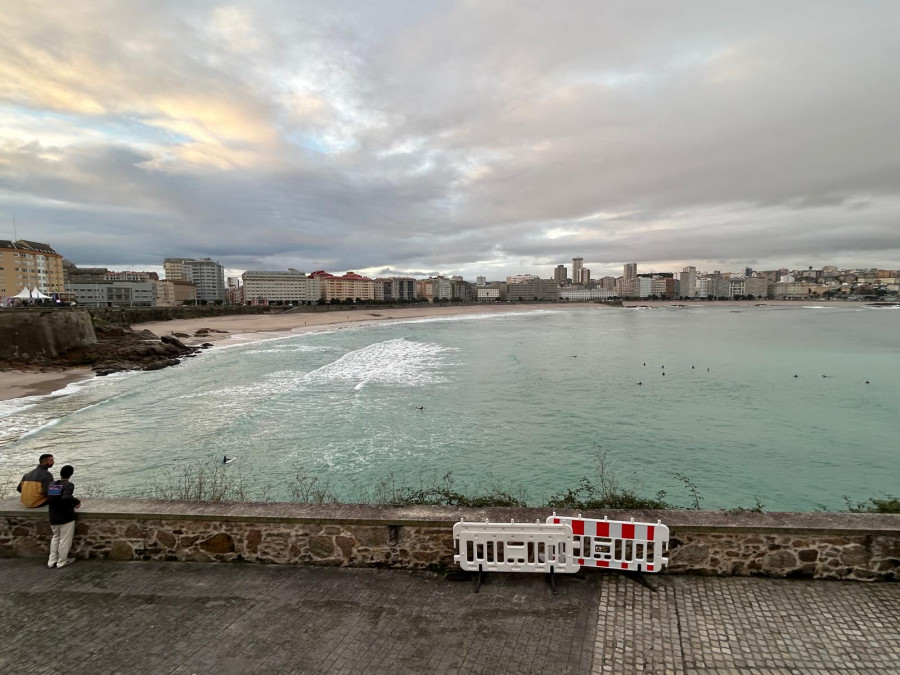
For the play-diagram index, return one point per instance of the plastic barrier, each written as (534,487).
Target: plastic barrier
(514,547)
(616,544)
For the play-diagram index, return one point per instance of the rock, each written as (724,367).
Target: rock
(218,543)
(180,335)
(120,550)
(168,339)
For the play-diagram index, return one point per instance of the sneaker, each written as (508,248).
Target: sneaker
(67,561)
(51,564)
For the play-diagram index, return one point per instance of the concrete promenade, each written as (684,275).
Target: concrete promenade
(107,617)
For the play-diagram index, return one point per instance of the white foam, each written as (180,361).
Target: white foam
(398,361)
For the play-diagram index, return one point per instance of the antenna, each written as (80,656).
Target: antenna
(15,234)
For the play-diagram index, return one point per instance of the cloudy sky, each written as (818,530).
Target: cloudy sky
(481,137)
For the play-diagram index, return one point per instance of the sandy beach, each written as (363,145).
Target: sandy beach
(19,383)
(298,322)
(33,382)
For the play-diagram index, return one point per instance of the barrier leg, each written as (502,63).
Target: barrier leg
(639,578)
(478,579)
(552,581)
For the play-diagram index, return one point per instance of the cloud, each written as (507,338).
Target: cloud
(453,137)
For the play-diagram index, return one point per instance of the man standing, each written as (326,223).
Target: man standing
(34,484)
(62,517)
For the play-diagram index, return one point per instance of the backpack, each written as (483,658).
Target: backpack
(55,489)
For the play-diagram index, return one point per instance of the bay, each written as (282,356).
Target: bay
(524,401)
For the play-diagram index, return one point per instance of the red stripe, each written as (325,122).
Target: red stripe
(650,532)
(556,521)
(581,561)
(627,530)
(624,566)
(602,528)
(602,563)
(578,527)
(649,568)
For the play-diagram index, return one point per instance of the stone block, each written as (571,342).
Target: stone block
(166,539)
(321,547)
(120,550)
(218,543)
(691,554)
(855,556)
(778,561)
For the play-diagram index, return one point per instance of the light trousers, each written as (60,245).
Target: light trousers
(61,542)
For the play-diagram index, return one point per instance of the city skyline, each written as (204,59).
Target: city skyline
(416,138)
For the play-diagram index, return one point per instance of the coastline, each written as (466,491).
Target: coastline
(22,383)
(36,382)
(299,322)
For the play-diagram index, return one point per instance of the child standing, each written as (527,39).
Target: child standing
(62,501)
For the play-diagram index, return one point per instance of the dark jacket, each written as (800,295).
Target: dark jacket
(34,486)
(62,508)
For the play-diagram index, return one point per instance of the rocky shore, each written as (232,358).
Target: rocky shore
(116,349)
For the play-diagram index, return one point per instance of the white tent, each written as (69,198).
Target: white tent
(37,295)
(24,294)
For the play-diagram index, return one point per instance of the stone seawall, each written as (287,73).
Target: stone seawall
(36,335)
(804,545)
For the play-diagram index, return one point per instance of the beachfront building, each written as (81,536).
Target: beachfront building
(585,294)
(441,289)
(560,275)
(174,268)
(535,289)
(486,294)
(29,264)
(113,293)
(350,286)
(280,287)
(395,288)
(577,265)
(174,293)
(425,289)
(688,286)
(209,278)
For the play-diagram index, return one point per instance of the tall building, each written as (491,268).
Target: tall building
(208,276)
(560,275)
(174,268)
(577,264)
(481,281)
(630,271)
(630,285)
(29,264)
(347,287)
(585,276)
(688,278)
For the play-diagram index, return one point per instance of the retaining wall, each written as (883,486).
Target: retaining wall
(807,545)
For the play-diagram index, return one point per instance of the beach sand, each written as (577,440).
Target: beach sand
(298,322)
(18,383)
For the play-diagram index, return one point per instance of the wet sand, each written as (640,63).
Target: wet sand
(18,383)
(298,322)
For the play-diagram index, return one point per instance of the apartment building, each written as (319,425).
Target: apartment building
(290,286)
(29,264)
(349,286)
(540,289)
(113,293)
(207,275)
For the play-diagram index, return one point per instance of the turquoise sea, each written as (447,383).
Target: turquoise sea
(524,400)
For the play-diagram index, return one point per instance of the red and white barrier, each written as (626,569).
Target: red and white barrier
(617,544)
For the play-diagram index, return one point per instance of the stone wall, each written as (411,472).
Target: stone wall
(38,334)
(819,545)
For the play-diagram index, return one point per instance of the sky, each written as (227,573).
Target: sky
(473,138)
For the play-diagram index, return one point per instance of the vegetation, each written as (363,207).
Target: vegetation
(602,490)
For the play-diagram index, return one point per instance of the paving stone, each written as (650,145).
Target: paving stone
(137,617)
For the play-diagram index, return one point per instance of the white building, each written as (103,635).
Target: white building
(113,293)
(208,276)
(262,287)
(486,294)
(688,279)
(583,294)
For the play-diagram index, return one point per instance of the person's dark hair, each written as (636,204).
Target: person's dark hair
(66,471)
(43,457)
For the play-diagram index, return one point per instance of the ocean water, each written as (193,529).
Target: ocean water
(525,401)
